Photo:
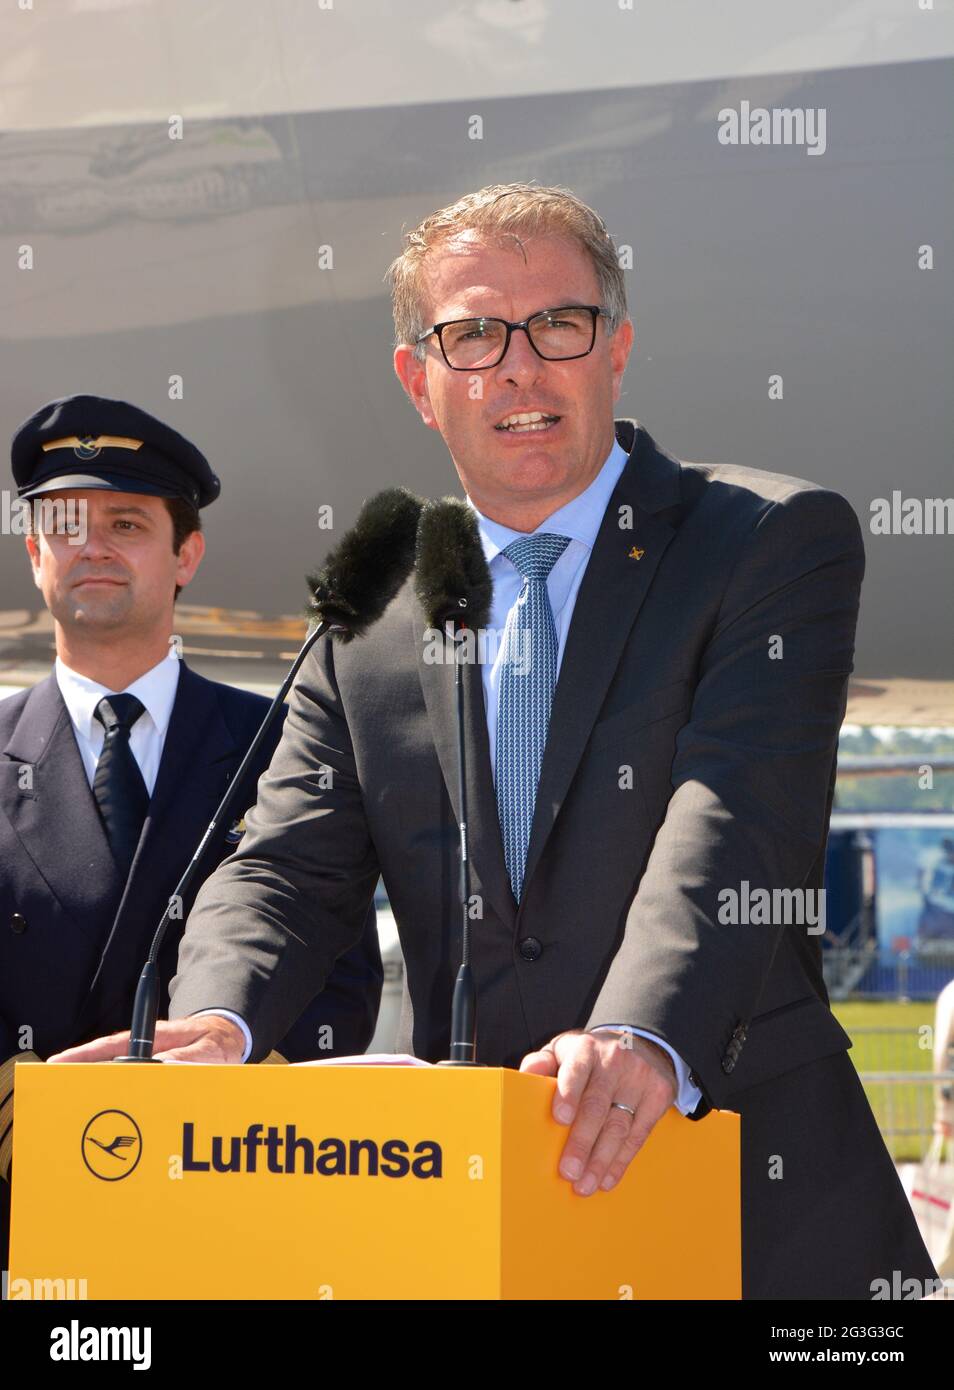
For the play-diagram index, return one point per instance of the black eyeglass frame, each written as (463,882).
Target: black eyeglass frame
(596,311)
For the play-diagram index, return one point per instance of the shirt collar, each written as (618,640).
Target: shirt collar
(156,689)
(580,518)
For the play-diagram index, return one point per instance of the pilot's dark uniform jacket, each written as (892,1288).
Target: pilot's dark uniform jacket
(76,916)
(74,931)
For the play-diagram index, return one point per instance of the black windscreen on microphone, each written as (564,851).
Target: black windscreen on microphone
(363,573)
(452,578)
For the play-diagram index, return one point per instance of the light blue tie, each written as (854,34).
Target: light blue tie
(524,696)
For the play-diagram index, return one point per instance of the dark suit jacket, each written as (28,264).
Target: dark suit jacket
(73,934)
(668,670)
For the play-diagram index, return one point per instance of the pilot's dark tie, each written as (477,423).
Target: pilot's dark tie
(118,787)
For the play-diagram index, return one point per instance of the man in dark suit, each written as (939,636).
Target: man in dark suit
(82,886)
(624,817)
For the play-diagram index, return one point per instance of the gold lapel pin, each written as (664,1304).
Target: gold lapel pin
(636,553)
(235,831)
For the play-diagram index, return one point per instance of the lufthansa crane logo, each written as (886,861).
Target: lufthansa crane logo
(112,1145)
(86,448)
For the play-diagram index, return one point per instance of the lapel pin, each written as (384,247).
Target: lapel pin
(636,553)
(235,832)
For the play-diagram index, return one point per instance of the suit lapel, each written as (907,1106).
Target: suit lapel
(188,788)
(621,569)
(615,582)
(485,845)
(57,819)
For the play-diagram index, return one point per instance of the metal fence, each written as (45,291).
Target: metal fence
(896,1070)
(866,972)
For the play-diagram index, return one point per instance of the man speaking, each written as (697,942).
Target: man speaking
(668,750)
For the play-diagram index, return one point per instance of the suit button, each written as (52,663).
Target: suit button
(18,923)
(728,1064)
(530,948)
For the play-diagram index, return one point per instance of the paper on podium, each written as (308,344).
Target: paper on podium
(368,1059)
(372,1059)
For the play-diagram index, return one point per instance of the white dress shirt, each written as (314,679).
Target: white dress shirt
(580,519)
(157,691)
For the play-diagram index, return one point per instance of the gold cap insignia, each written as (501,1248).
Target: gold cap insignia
(88,446)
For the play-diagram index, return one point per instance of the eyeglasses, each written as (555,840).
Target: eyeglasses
(556,335)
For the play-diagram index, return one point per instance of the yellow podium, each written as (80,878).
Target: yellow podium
(350,1182)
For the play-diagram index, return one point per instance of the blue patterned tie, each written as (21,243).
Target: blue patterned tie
(524,696)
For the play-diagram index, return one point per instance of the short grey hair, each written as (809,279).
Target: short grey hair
(500,210)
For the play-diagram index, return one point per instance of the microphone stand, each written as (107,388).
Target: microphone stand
(463,1048)
(142,1036)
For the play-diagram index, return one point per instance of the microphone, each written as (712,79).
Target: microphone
(358,580)
(453,584)
(364,572)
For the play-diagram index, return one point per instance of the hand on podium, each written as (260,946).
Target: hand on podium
(612,1088)
(201,1038)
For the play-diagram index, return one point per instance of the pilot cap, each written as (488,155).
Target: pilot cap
(93,442)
